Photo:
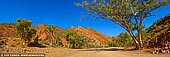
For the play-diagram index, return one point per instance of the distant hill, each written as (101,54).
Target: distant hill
(8,30)
(99,38)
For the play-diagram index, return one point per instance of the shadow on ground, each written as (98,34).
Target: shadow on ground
(107,49)
(36,45)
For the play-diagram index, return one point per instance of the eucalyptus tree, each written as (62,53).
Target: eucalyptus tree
(53,34)
(24,30)
(74,40)
(123,39)
(129,14)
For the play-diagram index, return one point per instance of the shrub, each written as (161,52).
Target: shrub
(54,45)
(95,46)
(3,41)
(36,41)
(90,46)
(12,45)
(122,40)
(45,42)
(98,46)
(106,46)
(74,40)
(128,43)
(57,45)
(111,44)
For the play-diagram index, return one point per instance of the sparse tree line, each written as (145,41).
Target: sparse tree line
(53,39)
(122,40)
(27,34)
(129,14)
(154,36)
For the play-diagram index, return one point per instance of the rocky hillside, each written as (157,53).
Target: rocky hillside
(42,33)
(159,33)
(8,30)
(97,37)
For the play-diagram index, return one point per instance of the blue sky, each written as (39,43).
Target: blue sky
(63,13)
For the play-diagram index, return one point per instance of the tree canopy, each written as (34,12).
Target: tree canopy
(54,35)
(123,40)
(25,31)
(75,40)
(129,14)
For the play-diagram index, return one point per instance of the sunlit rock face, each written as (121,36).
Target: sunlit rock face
(96,37)
(8,30)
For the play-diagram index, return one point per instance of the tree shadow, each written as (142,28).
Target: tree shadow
(108,49)
(37,45)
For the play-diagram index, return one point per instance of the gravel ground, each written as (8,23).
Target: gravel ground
(92,52)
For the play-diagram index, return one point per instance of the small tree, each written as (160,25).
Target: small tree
(129,14)
(53,35)
(25,31)
(74,40)
(123,40)
(111,44)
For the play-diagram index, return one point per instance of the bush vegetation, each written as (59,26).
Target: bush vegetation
(122,40)
(44,42)
(154,36)
(111,44)
(96,46)
(158,35)
(24,30)
(74,40)
(3,41)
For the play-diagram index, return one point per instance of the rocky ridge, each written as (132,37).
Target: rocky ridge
(8,30)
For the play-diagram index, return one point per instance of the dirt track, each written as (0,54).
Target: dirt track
(113,52)
(96,52)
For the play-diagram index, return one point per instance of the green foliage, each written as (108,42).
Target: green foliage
(111,44)
(123,40)
(57,45)
(36,41)
(3,38)
(157,34)
(98,46)
(44,42)
(54,45)
(90,46)
(3,41)
(53,35)
(75,40)
(95,46)
(128,43)
(25,31)
(123,10)
(129,14)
